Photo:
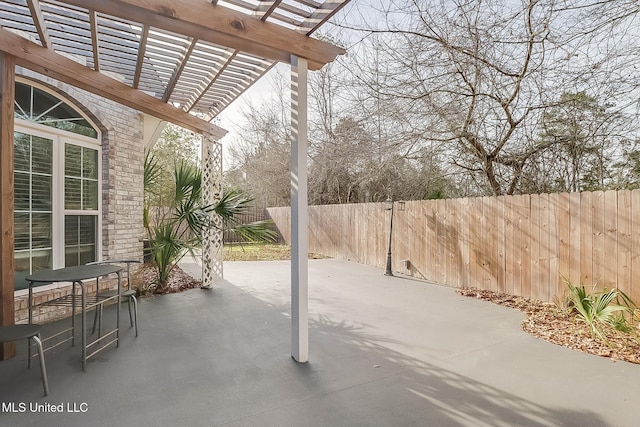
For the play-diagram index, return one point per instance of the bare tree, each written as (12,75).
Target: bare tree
(450,97)
(477,76)
(579,142)
(174,146)
(261,153)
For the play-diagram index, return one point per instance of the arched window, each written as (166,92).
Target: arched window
(57,164)
(35,105)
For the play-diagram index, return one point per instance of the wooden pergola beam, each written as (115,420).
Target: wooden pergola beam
(220,25)
(204,90)
(38,20)
(7,96)
(95,42)
(321,16)
(142,49)
(269,9)
(179,69)
(49,63)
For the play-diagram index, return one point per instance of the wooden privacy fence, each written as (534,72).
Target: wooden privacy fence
(250,214)
(522,245)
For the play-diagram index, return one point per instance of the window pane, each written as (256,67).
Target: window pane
(87,229)
(21,152)
(41,259)
(21,188)
(80,239)
(90,195)
(81,189)
(49,110)
(23,101)
(42,102)
(71,232)
(71,256)
(89,163)
(21,229)
(72,160)
(41,193)
(40,230)
(72,188)
(42,155)
(87,254)
(22,261)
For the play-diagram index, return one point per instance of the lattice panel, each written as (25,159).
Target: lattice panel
(212,193)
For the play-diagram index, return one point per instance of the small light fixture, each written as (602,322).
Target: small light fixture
(389,207)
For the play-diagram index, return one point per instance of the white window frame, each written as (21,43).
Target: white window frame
(60,138)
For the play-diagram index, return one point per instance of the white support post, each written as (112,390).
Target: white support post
(299,213)
(211,193)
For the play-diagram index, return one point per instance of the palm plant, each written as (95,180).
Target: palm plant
(180,229)
(598,309)
(152,173)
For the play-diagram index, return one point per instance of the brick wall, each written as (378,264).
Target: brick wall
(122,185)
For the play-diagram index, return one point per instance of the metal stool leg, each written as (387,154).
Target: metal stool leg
(95,320)
(43,367)
(95,317)
(135,311)
(130,313)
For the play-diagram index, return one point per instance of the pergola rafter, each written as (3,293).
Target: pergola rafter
(191,44)
(140,58)
(38,20)
(95,39)
(266,8)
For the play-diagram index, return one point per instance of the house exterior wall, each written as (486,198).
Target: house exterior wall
(122,185)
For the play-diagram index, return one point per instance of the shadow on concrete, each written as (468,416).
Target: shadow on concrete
(221,357)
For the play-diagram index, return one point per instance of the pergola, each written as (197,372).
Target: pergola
(181,61)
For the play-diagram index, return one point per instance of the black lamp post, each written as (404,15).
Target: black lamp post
(389,207)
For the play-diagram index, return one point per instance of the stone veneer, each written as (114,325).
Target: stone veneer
(122,187)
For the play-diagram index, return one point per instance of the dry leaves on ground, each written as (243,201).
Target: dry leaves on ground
(550,323)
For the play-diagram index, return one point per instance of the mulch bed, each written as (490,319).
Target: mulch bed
(146,280)
(549,322)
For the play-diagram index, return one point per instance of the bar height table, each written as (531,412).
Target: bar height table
(76,275)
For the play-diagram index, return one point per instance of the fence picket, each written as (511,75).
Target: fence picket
(598,238)
(609,254)
(545,249)
(562,208)
(553,246)
(574,274)
(634,290)
(586,239)
(623,272)
(535,277)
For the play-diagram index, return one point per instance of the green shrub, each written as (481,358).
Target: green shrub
(601,309)
(181,228)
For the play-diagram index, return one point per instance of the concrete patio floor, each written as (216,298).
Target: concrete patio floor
(384,351)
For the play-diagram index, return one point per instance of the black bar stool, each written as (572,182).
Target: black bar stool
(129,294)
(18,332)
